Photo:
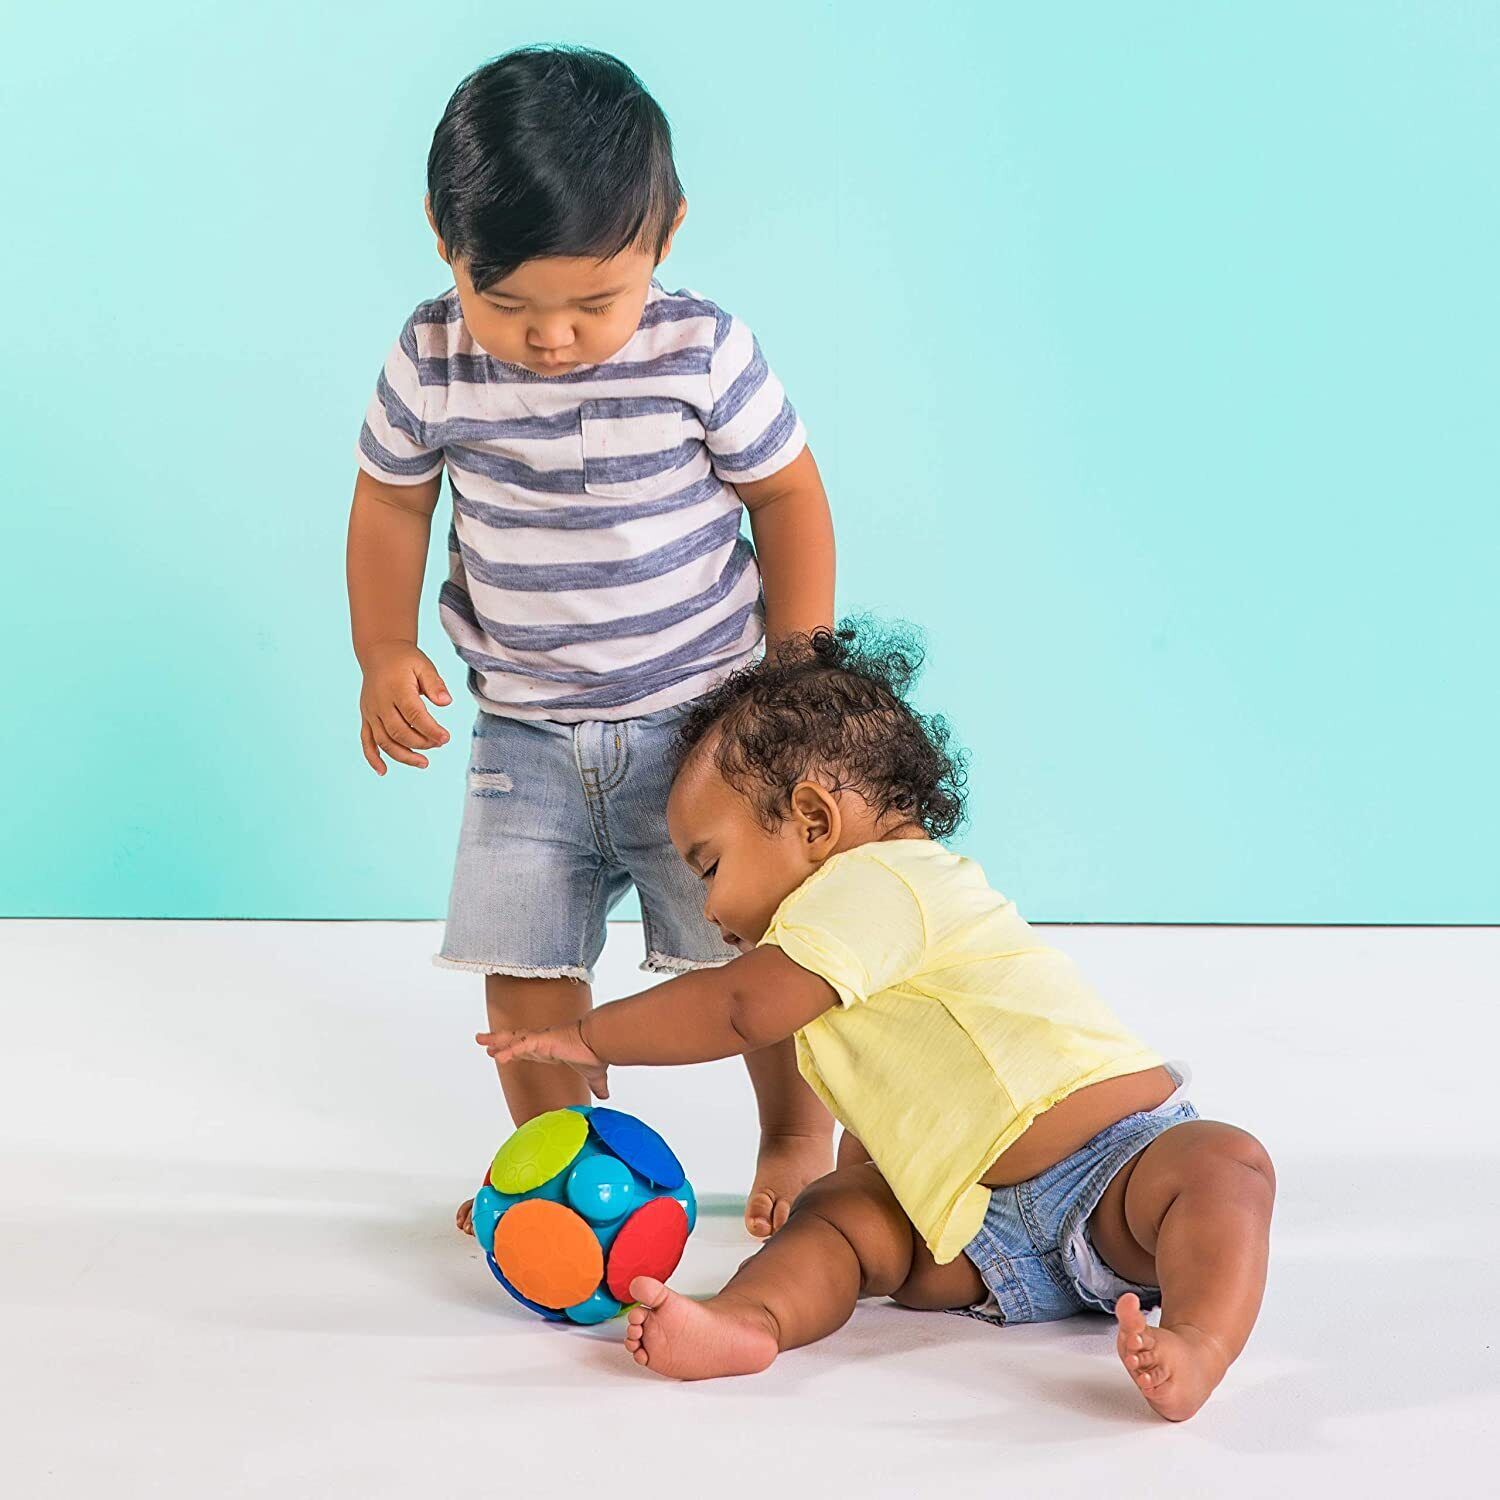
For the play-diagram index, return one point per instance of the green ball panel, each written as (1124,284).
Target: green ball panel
(538,1151)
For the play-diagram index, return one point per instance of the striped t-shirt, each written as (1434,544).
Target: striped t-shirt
(597,569)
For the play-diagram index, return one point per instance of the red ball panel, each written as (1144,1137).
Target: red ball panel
(650,1243)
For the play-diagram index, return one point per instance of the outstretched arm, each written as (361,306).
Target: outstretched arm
(750,1003)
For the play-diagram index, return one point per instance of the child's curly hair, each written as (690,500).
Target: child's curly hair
(831,707)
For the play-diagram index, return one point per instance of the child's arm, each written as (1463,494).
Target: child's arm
(388,531)
(750,1003)
(793,531)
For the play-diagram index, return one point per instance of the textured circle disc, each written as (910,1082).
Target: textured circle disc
(649,1244)
(538,1151)
(638,1146)
(548,1253)
(551,1314)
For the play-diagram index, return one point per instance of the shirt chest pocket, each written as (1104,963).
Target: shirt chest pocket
(634,448)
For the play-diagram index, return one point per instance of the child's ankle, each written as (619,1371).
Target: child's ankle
(751,1311)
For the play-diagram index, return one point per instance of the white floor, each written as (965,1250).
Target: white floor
(232,1152)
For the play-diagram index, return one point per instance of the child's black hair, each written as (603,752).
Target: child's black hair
(831,707)
(551,151)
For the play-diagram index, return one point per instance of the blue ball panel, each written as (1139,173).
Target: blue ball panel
(639,1147)
(551,1314)
(554,1189)
(488,1206)
(599,1308)
(689,1201)
(605,1233)
(602,1188)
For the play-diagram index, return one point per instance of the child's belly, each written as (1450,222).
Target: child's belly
(1075,1120)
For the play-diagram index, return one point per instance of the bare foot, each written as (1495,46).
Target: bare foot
(688,1340)
(1175,1369)
(464,1218)
(786,1164)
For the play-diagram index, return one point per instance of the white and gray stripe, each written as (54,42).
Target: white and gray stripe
(597,568)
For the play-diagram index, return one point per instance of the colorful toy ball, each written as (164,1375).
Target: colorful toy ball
(576,1205)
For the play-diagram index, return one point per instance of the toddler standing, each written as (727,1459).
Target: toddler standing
(601,437)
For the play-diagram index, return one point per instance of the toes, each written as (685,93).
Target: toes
(758,1210)
(779,1214)
(641,1357)
(649,1292)
(1128,1310)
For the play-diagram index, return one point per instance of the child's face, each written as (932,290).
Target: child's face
(747,872)
(554,314)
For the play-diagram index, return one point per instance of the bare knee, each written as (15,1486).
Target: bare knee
(1206,1159)
(1247,1153)
(1231,1163)
(857,1203)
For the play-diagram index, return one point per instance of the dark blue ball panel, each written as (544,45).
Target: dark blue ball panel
(639,1147)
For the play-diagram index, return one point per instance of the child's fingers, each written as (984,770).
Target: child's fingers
(432,685)
(367,744)
(391,721)
(395,749)
(414,711)
(493,1038)
(505,1045)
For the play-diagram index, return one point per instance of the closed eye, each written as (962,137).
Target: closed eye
(708,874)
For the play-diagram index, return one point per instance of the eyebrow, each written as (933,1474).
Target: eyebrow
(613,291)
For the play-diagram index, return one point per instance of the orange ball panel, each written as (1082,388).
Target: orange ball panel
(548,1253)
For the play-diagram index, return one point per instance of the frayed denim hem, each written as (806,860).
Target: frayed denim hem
(516,971)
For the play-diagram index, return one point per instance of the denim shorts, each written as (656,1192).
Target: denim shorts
(559,822)
(1033,1251)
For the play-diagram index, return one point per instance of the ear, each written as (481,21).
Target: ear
(666,249)
(818,822)
(441,247)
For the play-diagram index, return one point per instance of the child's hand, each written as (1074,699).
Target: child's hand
(557,1044)
(392,715)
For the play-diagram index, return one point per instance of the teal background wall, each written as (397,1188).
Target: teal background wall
(1149,351)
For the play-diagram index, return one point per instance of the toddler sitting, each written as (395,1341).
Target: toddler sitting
(1011,1150)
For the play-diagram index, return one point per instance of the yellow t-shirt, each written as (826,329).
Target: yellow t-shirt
(956,1027)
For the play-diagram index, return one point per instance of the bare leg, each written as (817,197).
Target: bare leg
(796,1137)
(532,1088)
(1192,1215)
(847,1238)
(851,1150)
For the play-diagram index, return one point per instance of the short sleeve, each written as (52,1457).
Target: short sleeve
(393,443)
(751,430)
(857,924)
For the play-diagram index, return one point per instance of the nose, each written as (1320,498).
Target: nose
(550,336)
